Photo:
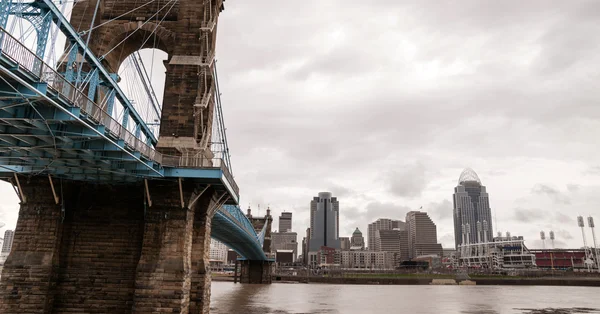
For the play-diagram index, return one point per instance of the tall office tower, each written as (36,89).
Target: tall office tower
(324,222)
(357,241)
(380,224)
(472,213)
(285,222)
(388,240)
(336,208)
(8,241)
(422,235)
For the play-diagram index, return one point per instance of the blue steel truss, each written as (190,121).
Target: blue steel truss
(46,12)
(51,126)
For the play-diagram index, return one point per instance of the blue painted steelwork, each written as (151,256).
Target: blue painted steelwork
(48,126)
(54,14)
(232,227)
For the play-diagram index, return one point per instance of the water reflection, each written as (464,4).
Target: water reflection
(228,298)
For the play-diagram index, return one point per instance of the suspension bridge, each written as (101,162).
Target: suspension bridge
(120,192)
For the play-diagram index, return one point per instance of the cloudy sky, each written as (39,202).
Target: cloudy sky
(384,103)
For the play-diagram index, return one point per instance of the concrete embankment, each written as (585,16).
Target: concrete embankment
(590,282)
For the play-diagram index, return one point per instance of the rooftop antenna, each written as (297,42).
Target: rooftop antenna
(596,255)
(543,237)
(552,238)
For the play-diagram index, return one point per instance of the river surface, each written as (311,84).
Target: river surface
(228,297)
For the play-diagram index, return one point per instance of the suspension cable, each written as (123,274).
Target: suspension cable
(116,18)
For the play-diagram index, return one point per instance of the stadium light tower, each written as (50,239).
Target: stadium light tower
(588,253)
(596,255)
(552,238)
(543,237)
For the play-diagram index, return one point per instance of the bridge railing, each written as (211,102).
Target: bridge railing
(234,212)
(11,48)
(200,161)
(35,66)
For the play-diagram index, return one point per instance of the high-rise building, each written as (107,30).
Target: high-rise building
(324,222)
(472,213)
(357,241)
(218,250)
(336,208)
(380,224)
(388,240)
(305,247)
(8,241)
(285,222)
(422,235)
(345,243)
(285,241)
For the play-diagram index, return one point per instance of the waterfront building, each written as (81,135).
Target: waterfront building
(368,260)
(357,239)
(285,222)
(502,252)
(284,241)
(380,224)
(422,235)
(324,222)
(327,256)
(472,212)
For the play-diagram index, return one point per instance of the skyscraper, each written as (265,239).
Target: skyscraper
(285,222)
(472,213)
(380,224)
(336,208)
(324,220)
(8,241)
(422,235)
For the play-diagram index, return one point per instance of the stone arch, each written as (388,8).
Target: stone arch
(149,35)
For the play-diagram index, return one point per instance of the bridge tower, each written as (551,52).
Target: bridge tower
(258,271)
(128,247)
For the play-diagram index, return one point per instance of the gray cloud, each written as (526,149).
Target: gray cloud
(554,194)
(593,170)
(573,187)
(528,215)
(408,180)
(341,191)
(440,211)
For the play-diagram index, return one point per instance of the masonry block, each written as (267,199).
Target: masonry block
(255,272)
(109,251)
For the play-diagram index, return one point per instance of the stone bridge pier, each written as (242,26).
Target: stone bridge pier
(101,248)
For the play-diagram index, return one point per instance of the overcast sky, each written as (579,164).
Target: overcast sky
(384,103)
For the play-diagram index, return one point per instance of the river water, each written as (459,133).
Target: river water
(228,298)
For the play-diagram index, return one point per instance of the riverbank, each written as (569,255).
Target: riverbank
(428,280)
